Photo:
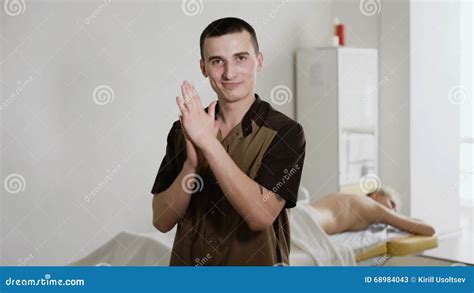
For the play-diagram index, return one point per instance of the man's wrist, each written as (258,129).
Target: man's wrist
(209,148)
(188,168)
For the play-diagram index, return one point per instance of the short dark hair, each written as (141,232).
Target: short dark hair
(227,25)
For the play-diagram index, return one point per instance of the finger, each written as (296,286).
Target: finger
(211,111)
(188,100)
(182,128)
(195,95)
(182,107)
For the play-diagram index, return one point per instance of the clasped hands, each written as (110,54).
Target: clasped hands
(198,127)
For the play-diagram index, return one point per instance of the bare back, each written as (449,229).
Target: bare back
(340,212)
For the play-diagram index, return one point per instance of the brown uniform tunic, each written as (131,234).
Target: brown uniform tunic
(267,146)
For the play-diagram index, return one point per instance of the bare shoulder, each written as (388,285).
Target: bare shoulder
(368,207)
(332,199)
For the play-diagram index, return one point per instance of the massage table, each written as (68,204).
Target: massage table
(393,243)
(154,249)
(397,243)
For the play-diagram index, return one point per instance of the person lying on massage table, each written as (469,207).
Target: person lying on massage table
(341,212)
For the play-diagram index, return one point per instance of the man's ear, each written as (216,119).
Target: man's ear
(203,68)
(259,62)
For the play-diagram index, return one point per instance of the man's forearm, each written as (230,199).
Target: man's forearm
(258,206)
(169,206)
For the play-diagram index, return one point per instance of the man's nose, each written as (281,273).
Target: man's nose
(229,71)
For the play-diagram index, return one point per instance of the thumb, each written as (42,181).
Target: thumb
(212,109)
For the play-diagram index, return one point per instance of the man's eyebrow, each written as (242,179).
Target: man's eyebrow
(241,53)
(236,54)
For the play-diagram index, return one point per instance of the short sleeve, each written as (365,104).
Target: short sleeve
(169,165)
(282,164)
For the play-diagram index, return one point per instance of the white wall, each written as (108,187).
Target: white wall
(434,141)
(385,26)
(65,146)
(394,98)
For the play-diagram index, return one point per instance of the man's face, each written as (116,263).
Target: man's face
(231,64)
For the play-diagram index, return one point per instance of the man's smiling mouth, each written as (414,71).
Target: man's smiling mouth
(231,85)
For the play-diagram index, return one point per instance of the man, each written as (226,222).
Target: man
(244,157)
(339,212)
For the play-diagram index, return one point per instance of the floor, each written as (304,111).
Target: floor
(413,260)
(456,247)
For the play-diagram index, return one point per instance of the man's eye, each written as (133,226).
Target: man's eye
(241,58)
(216,61)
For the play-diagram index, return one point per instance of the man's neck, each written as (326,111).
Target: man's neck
(230,114)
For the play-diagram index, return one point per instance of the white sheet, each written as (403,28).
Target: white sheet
(308,237)
(131,249)
(362,241)
(310,245)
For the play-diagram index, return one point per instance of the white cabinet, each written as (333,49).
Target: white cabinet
(337,92)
